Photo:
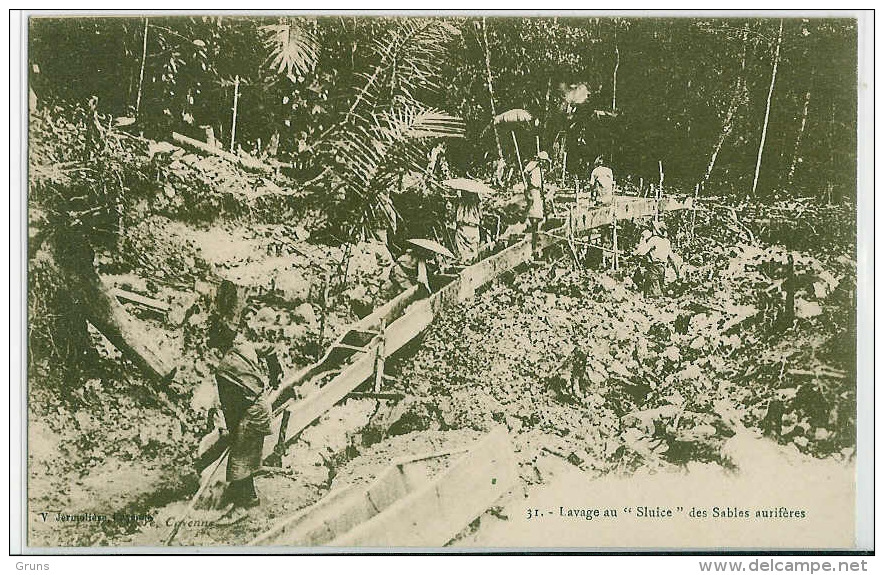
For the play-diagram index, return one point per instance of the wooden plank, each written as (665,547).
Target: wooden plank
(408,326)
(361,331)
(342,510)
(481,273)
(432,515)
(388,312)
(148,302)
(315,404)
(303,526)
(349,347)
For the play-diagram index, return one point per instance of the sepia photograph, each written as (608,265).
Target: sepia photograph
(335,283)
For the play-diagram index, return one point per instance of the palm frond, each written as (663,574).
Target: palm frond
(408,58)
(293,49)
(372,154)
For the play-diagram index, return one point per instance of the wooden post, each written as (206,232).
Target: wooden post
(641,187)
(659,195)
(233,123)
(564,163)
(694,209)
(380,351)
(325,287)
(491,90)
(615,260)
(141,73)
(616,66)
(210,136)
(279,450)
(519,159)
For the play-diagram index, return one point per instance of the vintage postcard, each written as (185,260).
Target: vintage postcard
(344,281)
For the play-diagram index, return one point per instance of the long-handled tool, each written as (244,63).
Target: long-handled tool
(193,502)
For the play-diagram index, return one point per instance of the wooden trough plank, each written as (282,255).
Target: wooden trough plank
(407,327)
(406,318)
(435,513)
(301,527)
(481,273)
(315,404)
(344,509)
(385,313)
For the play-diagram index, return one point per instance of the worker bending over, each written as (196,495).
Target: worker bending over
(657,262)
(415,267)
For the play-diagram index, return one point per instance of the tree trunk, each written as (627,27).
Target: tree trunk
(773,79)
(546,108)
(141,73)
(725,131)
(90,300)
(731,110)
(233,122)
(491,88)
(798,138)
(616,66)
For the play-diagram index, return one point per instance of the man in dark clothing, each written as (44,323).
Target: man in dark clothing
(247,413)
(243,395)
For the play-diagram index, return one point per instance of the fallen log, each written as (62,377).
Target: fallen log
(108,316)
(246,162)
(820,372)
(375,395)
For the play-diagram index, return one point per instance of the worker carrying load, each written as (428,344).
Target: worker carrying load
(601,182)
(415,267)
(658,264)
(534,171)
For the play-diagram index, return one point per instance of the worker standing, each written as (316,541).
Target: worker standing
(601,182)
(534,170)
(243,395)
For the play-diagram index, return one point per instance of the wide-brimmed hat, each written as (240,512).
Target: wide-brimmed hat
(431,246)
(542,156)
